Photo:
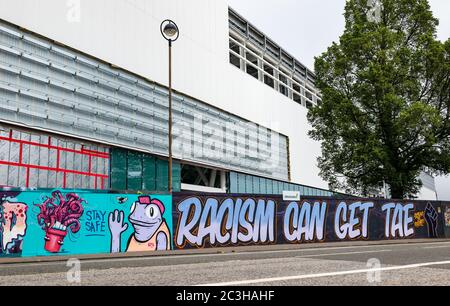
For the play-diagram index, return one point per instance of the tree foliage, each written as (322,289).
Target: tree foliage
(384,115)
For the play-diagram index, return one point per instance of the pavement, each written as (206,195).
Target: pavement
(405,262)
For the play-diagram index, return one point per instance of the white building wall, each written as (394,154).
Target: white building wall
(427,194)
(126,33)
(443,188)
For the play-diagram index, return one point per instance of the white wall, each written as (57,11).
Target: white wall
(427,194)
(443,188)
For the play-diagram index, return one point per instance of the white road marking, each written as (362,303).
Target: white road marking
(298,277)
(168,257)
(346,253)
(437,247)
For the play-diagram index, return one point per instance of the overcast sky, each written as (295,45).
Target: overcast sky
(305,28)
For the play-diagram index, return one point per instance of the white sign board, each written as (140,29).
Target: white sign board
(291,196)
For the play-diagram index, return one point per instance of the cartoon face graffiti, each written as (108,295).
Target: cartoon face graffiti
(12,227)
(151,232)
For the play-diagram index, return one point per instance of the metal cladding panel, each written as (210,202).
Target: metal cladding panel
(162,175)
(149,172)
(118,169)
(50,87)
(134,179)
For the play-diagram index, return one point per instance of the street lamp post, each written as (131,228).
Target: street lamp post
(170,32)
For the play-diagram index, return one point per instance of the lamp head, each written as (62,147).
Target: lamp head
(169,30)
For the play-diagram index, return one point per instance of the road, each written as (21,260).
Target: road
(333,264)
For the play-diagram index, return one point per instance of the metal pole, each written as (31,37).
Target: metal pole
(170,117)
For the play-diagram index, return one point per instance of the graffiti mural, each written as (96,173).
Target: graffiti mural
(431,217)
(59,222)
(447,216)
(232,220)
(58,215)
(227,222)
(75,222)
(13,225)
(419,219)
(150,230)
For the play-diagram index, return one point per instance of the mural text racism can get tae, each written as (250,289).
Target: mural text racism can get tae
(216,221)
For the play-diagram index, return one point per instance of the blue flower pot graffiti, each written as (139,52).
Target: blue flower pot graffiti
(59,215)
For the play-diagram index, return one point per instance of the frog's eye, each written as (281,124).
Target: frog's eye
(133,207)
(152,211)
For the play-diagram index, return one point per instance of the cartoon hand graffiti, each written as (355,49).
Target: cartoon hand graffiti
(151,232)
(431,216)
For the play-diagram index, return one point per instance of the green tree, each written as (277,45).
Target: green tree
(384,115)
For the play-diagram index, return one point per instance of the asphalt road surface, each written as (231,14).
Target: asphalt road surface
(394,264)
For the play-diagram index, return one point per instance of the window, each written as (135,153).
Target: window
(234,59)
(269,79)
(309,97)
(283,88)
(29,159)
(297,91)
(296,86)
(296,98)
(200,176)
(266,61)
(251,69)
(308,93)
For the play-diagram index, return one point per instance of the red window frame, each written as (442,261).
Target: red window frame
(58,169)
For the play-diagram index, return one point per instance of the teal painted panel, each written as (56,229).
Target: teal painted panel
(256,185)
(149,173)
(134,171)
(248,184)
(162,175)
(263,186)
(276,187)
(176,177)
(241,183)
(269,185)
(118,169)
(234,182)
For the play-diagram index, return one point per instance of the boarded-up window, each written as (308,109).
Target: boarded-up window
(31,159)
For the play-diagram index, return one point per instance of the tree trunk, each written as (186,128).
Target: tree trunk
(397,192)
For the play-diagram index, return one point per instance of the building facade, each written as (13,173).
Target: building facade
(83,100)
